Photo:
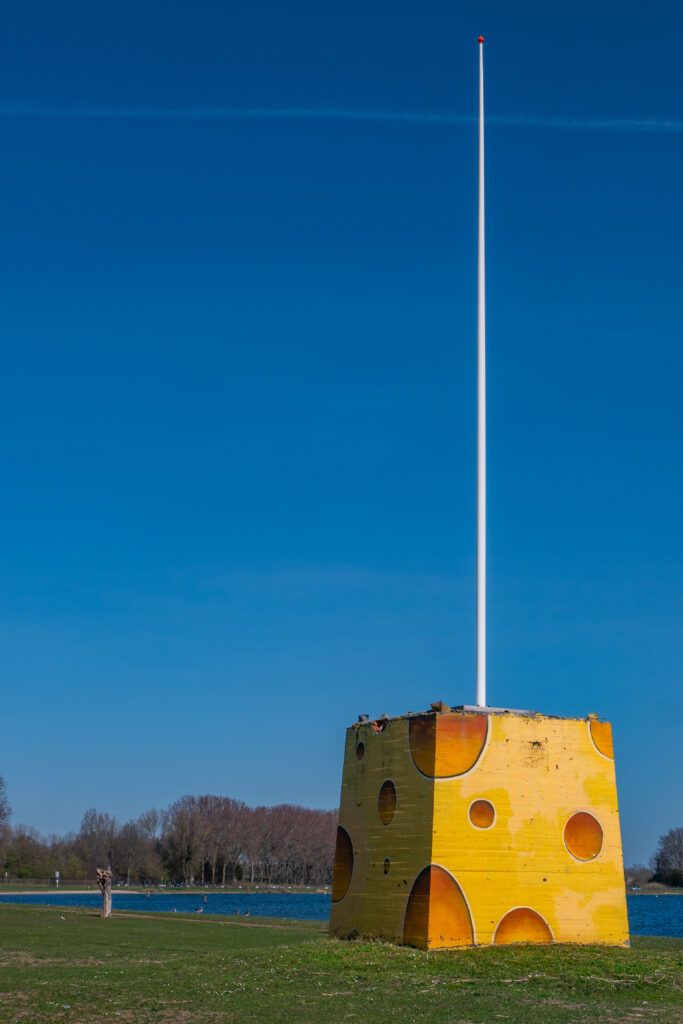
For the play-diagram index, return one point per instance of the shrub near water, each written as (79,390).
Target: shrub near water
(69,966)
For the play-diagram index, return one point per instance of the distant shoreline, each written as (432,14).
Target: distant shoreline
(669,892)
(227,891)
(212,892)
(168,892)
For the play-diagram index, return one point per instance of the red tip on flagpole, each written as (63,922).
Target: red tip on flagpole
(480,39)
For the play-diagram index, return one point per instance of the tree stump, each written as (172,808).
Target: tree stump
(104,882)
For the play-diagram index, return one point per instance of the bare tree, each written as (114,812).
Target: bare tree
(637,875)
(5,815)
(182,840)
(97,835)
(252,839)
(669,857)
(209,808)
(129,849)
(234,837)
(104,882)
(5,809)
(151,823)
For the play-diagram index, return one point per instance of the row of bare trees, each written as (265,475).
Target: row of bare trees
(197,840)
(219,840)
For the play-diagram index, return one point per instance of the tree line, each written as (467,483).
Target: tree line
(666,864)
(217,840)
(202,840)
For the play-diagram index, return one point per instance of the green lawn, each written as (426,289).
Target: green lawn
(66,965)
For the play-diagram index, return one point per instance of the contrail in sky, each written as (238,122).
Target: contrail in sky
(200,113)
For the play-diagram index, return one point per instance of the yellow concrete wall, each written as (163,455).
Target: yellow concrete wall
(505,828)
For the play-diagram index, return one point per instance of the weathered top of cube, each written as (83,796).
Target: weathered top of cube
(446,741)
(439,707)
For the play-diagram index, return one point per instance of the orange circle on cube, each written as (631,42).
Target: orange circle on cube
(601,734)
(482,813)
(443,745)
(386,802)
(343,865)
(583,836)
(522,925)
(437,914)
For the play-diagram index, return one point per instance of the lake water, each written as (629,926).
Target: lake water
(655,915)
(647,914)
(304,906)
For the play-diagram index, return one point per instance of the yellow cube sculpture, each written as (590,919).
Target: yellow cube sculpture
(475,826)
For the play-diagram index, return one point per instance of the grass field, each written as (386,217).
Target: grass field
(67,965)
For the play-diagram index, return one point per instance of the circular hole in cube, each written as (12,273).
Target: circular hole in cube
(583,836)
(522,925)
(343,865)
(482,813)
(386,802)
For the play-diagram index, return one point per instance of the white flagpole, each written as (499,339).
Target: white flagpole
(481,410)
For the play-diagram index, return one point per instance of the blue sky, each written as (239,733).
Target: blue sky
(237,400)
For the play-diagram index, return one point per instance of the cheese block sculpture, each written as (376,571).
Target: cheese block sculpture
(476,826)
